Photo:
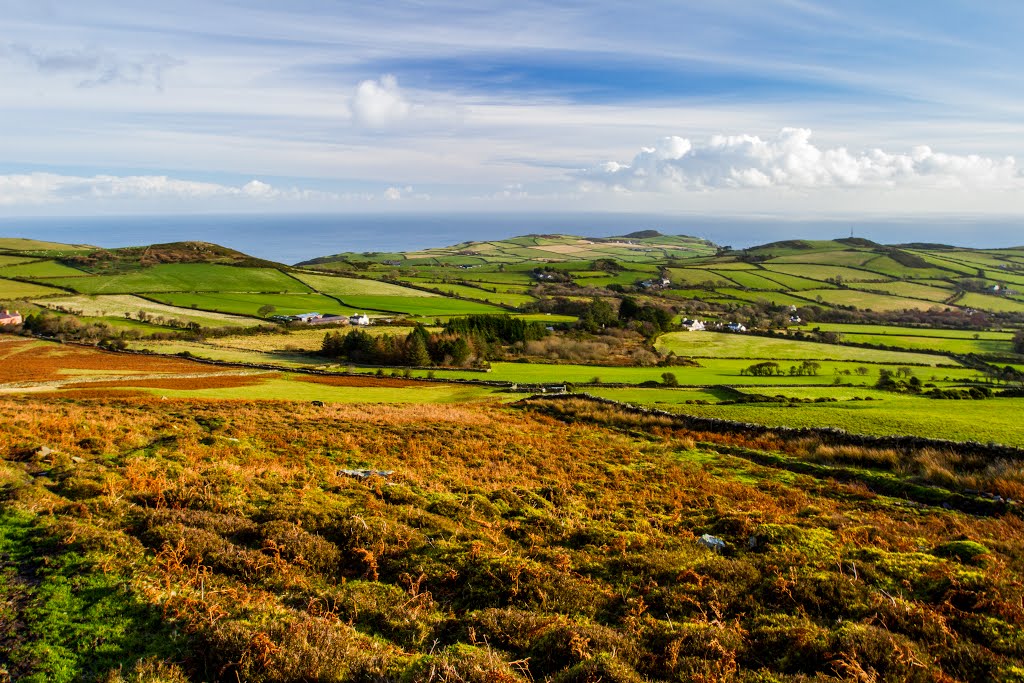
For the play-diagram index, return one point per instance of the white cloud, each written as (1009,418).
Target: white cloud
(394,194)
(378,104)
(50,188)
(790,160)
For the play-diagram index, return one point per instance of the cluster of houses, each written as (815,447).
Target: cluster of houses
(699,326)
(660,283)
(10,318)
(321,319)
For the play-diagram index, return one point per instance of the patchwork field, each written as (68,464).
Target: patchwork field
(726,345)
(250,304)
(121,305)
(185,277)
(13,289)
(38,270)
(348,286)
(866,300)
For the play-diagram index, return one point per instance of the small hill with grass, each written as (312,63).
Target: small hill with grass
(645,246)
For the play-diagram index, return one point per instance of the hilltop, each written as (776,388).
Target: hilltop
(645,246)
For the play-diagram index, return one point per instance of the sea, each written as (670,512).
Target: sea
(294,238)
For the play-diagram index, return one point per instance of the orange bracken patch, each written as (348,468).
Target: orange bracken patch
(34,361)
(359,381)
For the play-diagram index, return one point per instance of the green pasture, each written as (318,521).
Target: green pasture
(9,260)
(185,277)
(695,277)
(792,282)
(40,269)
(838,257)
(913,290)
(498,298)
(993,420)
(886,265)
(727,345)
(117,306)
(948,264)
(729,265)
(866,300)
(776,298)
(12,289)
(350,286)
(814,271)
(853,328)
(249,304)
(988,302)
(23,244)
(752,280)
(420,306)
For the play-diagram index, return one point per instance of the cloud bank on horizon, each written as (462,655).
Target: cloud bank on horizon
(790,160)
(540,105)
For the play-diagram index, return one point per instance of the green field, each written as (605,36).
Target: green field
(727,345)
(913,290)
(23,244)
(249,304)
(12,289)
(692,277)
(987,302)
(814,271)
(995,420)
(752,280)
(946,341)
(791,282)
(866,300)
(117,305)
(349,286)
(9,260)
(185,277)
(40,269)
(838,257)
(421,306)
(776,298)
(512,299)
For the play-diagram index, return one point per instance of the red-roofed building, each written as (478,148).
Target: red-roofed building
(9,318)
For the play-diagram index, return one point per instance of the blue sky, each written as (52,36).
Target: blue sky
(782,108)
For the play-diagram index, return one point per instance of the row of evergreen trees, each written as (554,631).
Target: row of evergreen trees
(462,342)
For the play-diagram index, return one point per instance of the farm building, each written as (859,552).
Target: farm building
(692,325)
(359,319)
(9,318)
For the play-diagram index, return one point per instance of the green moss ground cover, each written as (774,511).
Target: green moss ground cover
(186,277)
